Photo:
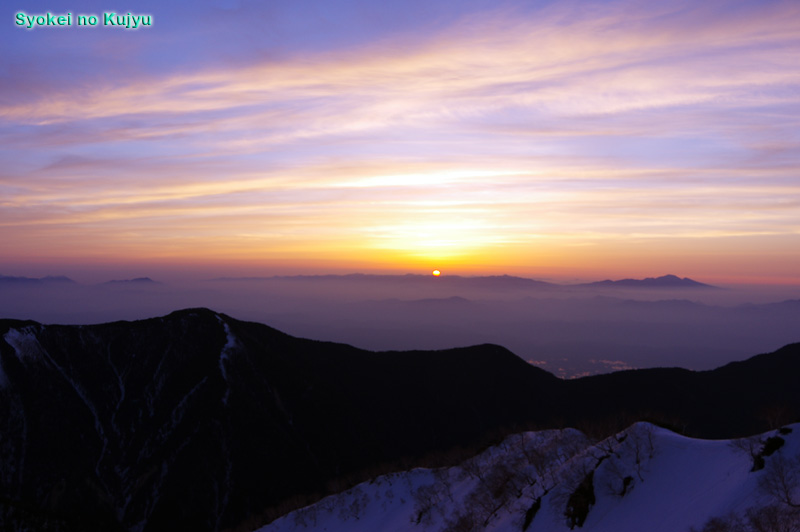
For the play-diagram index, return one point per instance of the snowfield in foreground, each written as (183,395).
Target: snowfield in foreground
(644,478)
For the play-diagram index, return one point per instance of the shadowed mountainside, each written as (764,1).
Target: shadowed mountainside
(200,419)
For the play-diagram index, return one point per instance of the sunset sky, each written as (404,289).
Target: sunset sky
(550,139)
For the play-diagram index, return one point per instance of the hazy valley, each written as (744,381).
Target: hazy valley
(568,329)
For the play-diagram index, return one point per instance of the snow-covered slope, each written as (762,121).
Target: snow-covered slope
(644,478)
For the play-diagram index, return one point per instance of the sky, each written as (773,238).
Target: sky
(551,139)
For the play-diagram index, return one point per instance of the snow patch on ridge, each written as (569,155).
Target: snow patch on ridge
(24,342)
(25,346)
(231,343)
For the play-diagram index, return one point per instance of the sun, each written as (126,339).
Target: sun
(436,273)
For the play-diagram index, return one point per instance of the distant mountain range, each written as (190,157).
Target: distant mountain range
(496,282)
(139,281)
(61,279)
(486,281)
(12,280)
(201,422)
(666,281)
(489,282)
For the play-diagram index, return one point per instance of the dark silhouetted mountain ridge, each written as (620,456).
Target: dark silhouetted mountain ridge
(199,421)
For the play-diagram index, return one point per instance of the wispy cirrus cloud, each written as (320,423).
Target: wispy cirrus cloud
(574,121)
(628,58)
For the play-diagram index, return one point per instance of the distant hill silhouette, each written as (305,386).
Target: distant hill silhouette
(7,279)
(489,282)
(486,282)
(201,422)
(665,281)
(137,281)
